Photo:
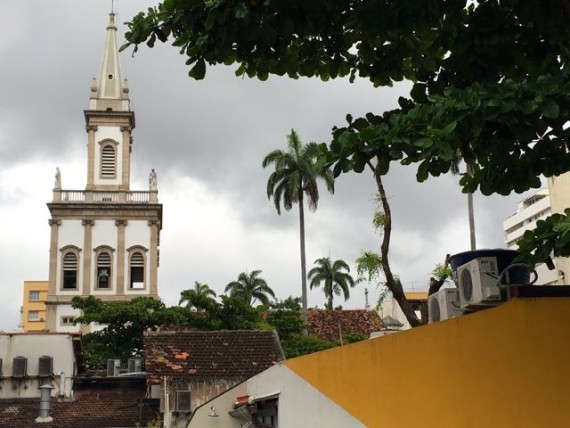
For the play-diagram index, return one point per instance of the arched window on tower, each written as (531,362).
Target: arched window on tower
(69,270)
(104,270)
(108,161)
(136,264)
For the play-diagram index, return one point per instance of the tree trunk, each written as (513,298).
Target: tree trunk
(393,284)
(303,265)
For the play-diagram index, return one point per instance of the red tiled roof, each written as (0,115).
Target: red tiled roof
(95,405)
(209,355)
(331,325)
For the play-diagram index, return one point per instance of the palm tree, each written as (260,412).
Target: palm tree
(471,212)
(296,174)
(197,296)
(250,287)
(336,278)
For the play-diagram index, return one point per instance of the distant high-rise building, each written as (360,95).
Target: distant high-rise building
(537,206)
(105,239)
(34,306)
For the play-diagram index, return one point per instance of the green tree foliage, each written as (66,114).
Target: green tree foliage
(491,82)
(200,297)
(250,287)
(285,317)
(335,276)
(295,176)
(298,345)
(126,322)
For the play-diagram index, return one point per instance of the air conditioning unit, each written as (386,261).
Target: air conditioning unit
(477,283)
(443,305)
(182,401)
(113,367)
(45,366)
(19,367)
(135,365)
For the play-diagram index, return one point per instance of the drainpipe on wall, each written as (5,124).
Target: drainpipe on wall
(166,420)
(62,384)
(45,404)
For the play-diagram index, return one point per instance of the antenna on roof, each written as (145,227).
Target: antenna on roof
(113,6)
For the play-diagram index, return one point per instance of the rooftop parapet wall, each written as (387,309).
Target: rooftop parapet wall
(504,367)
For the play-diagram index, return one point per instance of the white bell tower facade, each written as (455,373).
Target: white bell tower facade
(105,239)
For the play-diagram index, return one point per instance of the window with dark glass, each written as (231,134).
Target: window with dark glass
(70,271)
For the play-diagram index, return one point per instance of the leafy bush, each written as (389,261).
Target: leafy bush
(295,346)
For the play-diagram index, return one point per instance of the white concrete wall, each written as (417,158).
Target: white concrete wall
(66,310)
(113,133)
(33,346)
(300,404)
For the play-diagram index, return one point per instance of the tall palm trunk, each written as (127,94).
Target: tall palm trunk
(303,264)
(471,214)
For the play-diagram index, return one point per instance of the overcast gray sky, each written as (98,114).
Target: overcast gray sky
(206,140)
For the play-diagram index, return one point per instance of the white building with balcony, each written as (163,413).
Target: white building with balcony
(104,239)
(531,209)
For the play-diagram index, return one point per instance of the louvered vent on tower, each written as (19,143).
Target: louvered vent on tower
(108,162)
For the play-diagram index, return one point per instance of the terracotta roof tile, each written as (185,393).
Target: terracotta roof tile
(206,355)
(95,405)
(331,324)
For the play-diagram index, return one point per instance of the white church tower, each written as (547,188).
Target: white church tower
(105,239)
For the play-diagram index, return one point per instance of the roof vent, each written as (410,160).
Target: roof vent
(45,366)
(19,367)
(113,367)
(135,365)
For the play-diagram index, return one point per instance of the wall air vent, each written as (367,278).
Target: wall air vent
(19,367)
(45,367)
(113,367)
(135,365)
(182,401)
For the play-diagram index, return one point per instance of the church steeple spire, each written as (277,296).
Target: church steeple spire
(107,91)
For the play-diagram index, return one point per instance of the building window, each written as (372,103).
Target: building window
(33,316)
(108,161)
(70,270)
(104,270)
(67,320)
(137,270)
(34,296)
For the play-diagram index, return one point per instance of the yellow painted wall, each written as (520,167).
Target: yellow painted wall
(38,305)
(507,367)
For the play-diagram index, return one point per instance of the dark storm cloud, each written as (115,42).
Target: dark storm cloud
(211,135)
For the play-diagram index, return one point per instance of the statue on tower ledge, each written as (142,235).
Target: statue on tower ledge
(152,180)
(57,179)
